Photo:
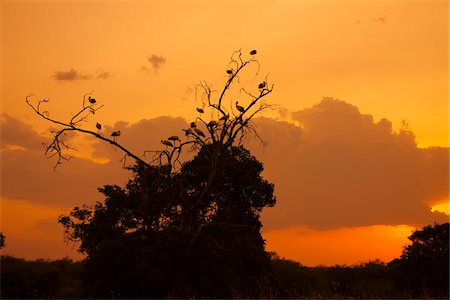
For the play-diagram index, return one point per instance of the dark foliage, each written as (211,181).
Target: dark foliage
(2,240)
(163,236)
(423,267)
(23,279)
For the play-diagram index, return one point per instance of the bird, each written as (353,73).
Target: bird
(224,117)
(174,138)
(230,71)
(92,100)
(115,133)
(187,131)
(199,132)
(167,143)
(212,123)
(262,85)
(253,52)
(99,126)
(239,108)
(193,125)
(200,110)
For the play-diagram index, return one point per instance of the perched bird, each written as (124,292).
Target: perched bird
(262,85)
(91,100)
(99,126)
(200,110)
(225,117)
(115,133)
(167,143)
(239,108)
(212,123)
(253,52)
(174,138)
(187,131)
(230,71)
(199,132)
(193,125)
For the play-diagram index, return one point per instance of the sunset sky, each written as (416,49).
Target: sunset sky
(357,147)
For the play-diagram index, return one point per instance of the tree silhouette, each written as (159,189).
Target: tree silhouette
(424,265)
(180,228)
(2,240)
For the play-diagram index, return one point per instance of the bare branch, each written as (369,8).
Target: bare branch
(57,146)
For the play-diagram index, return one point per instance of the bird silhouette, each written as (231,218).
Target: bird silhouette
(224,117)
(212,123)
(92,100)
(200,110)
(187,131)
(166,143)
(239,108)
(99,126)
(199,132)
(230,71)
(253,52)
(115,134)
(193,125)
(174,138)
(262,85)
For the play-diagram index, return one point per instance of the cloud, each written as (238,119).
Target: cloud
(380,20)
(15,133)
(103,75)
(70,75)
(157,63)
(73,75)
(341,168)
(31,176)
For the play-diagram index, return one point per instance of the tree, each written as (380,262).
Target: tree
(180,228)
(2,240)
(424,265)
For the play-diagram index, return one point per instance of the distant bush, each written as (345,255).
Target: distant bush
(40,279)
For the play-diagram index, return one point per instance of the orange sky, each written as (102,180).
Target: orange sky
(388,60)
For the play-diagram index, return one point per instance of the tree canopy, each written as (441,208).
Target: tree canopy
(158,237)
(424,265)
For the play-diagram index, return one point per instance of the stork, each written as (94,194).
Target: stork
(92,100)
(99,126)
(253,52)
(174,138)
(230,71)
(200,110)
(115,133)
(239,108)
(212,123)
(262,85)
(199,132)
(187,131)
(166,143)
(193,125)
(224,118)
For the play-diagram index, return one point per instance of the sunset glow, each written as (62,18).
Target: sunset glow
(443,207)
(357,146)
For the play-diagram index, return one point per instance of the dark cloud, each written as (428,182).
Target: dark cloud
(343,169)
(15,133)
(73,75)
(340,169)
(31,176)
(70,75)
(156,61)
